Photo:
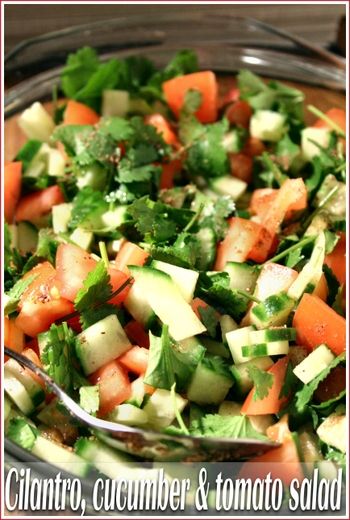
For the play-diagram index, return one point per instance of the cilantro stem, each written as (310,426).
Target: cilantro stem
(321,205)
(194,218)
(276,172)
(326,119)
(286,252)
(247,295)
(177,413)
(103,252)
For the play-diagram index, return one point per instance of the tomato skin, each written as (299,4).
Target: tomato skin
(241,166)
(271,403)
(136,333)
(169,170)
(239,113)
(12,188)
(130,254)
(135,360)
(331,387)
(118,278)
(33,206)
(317,323)
(114,386)
(79,114)
(263,200)
(253,147)
(205,82)
(163,127)
(231,96)
(336,260)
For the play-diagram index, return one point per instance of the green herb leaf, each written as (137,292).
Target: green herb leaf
(263,381)
(90,398)
(209,318)
(96,289)
(22,433)
(13,297)
(28,152)
(234,427)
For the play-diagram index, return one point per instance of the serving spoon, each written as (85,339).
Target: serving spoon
(150,444)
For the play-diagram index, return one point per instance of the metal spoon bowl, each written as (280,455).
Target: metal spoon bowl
(149,444)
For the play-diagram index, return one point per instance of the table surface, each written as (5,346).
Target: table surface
(316,22)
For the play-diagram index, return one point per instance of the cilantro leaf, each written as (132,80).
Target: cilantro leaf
(290,382)
(209,318)
(90,398)
(183,252)
(304,396)
(28,152)
(79,68)
(13,297)
(22,433)
(332,284)
(234,427)
(170,363)
(96,289)
(46,249)
(58,354)
(88,205)
(215,214)
(263,381)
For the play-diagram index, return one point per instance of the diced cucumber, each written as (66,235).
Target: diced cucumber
(273,311)
(232,141)
(93,175)
(236,339)
(110,462)
(243,381)
(216,348)
(242,276)
(230,408)
(185,279)
(333,431)
(313,364)
(274,348)
(207,244)
(82,238)
(13,231)
(128,414)
(137,392)
(18,393)
(34,389)
(268,125)
(271,335)
(7,408)
(167,302)
(261,422)
(137,305)
(320,136)
(27,237)
(113,218)
(113,246)
(228,185)
(60,456)
(227,325)
(312,271)
(101,343)
(208,386)
(160,408)
(115,103)
(61,214)
(36,123)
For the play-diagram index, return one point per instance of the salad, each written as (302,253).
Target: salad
(175,261)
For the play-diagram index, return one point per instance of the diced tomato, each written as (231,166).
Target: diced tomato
(136,333)
(245,240)
(12,188)
(135,360)
(332,385)
(169,171)
(321,289)
(13,335)
(33,345)
(130,254)
(73,264)
(37,204)
(253,147)
(317,323)
(163,127)
(41,303)
(241,166)
(205,82)
(114,386)
(283,462)
(337,115)
(336,260)
(118,278)
(272,403)
(74,323)
(79,114)
(239,113)
(263,199)
(231,96)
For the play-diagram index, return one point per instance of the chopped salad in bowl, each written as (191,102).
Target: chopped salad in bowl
(175,261)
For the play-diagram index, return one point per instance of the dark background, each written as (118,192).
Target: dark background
(319,23)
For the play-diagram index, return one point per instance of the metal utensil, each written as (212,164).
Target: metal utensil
(150,444)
